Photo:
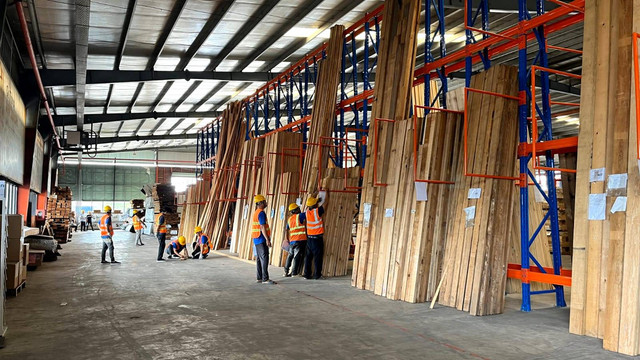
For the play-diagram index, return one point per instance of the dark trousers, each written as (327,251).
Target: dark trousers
(83,226)
(262,262)
(295,258)
(89,224)
(161,244)
(107,244)
(315,252)
(196,251)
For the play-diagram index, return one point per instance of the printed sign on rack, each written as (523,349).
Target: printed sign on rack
(245,212)
(619,205)
(367,215)
(282,212)
(421,191)
(597,206)
(617,185)
(470,215)
(388,213)
(596,175)
(474,193)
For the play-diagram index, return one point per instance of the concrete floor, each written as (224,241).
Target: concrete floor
(77,308)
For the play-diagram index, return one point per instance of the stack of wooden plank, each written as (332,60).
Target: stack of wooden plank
(394,78)
(194,205)
(58,211)
(478,232)
(137,204)
(606,250)
(164,198)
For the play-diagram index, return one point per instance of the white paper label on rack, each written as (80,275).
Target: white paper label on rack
(322,195)
(245,212)
(273,213)
(367,214)
(388,213)
(299,202)
(617,181)
(596,175)
(597,206)
(619,205)
(282,212)
(470,215)
(421,191)
(474,193)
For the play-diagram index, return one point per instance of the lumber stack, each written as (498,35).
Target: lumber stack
(478,230)
(568,161)
(394,77)
(137,204)
(216,215)
(194,205)
(58,211)
(164,198)
(323,112)
(606,251)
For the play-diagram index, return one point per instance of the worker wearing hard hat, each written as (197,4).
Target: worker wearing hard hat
(296,234)
(178,248)
(161,233)
(202,245)
(106,233)
(315,232)
(138,225)
(261,235)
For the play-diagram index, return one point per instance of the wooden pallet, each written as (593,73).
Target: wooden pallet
(16,291)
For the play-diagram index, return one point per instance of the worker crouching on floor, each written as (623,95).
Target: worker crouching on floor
(106,233)
(202,245)
(161,233)
(296,233)
(261,235)
(315,242)
(138,225)
(178,248)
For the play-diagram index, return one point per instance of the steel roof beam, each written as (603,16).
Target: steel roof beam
(66,120)
(111,140)
(82,14)
(509,6)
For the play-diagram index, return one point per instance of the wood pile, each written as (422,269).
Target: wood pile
(568,161)
(58,211)
(606,250)
(478,232)
(392,93)
(164,198)
(137,204)
(194,205)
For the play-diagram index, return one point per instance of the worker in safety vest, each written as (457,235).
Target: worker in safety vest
(315,232)
(261,235)
(202,245)
(178,248)
(296,233)
(161,233)
(106,233)
(138,225)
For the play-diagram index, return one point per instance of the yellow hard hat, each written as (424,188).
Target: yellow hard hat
(293,207)
(182,240)
(258,198)
(107,208)
(197,229)
(312,201)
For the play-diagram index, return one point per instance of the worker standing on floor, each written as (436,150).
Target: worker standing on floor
(83,221)
(315,232)
(178,248)
(89,221)
(296,233)
(161,233)
(261,235)
(202,245)
(138,225)
(106,233)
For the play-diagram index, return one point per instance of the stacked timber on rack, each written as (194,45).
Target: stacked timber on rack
(394,78)
(137,204)
(606,250)
(164,196)
(216,216)
(58,210)
(194,205)
(568,161)
(478,232)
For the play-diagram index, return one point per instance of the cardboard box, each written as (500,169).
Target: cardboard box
(13,275)
(25,254)
(14,249)
(14,226)
(27,231)
(23,272)
(35,257)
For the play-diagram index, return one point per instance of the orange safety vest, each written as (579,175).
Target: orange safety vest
(315,226)
(205,247)
(297,231)
(255,227)
(137,225)
(104,230)
(162,228)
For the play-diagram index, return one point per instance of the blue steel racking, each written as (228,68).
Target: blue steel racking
(292,92)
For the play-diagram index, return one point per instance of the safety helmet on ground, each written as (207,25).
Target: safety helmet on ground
(107,208)
(197,229)
(259,199)
(312,201)
(182,240)
(293,206)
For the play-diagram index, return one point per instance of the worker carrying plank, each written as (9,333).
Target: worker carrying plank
(315,232)
(202,245)
(296,234)
(138,225)
(106,233)
(178,249)
(261,235)
(161,233)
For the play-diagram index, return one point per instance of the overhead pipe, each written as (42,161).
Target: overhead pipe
(34,65)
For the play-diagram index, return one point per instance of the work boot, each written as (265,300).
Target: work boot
(115,262)
(270,282)
(104,262)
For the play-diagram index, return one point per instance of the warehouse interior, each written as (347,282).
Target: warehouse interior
(407,179)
